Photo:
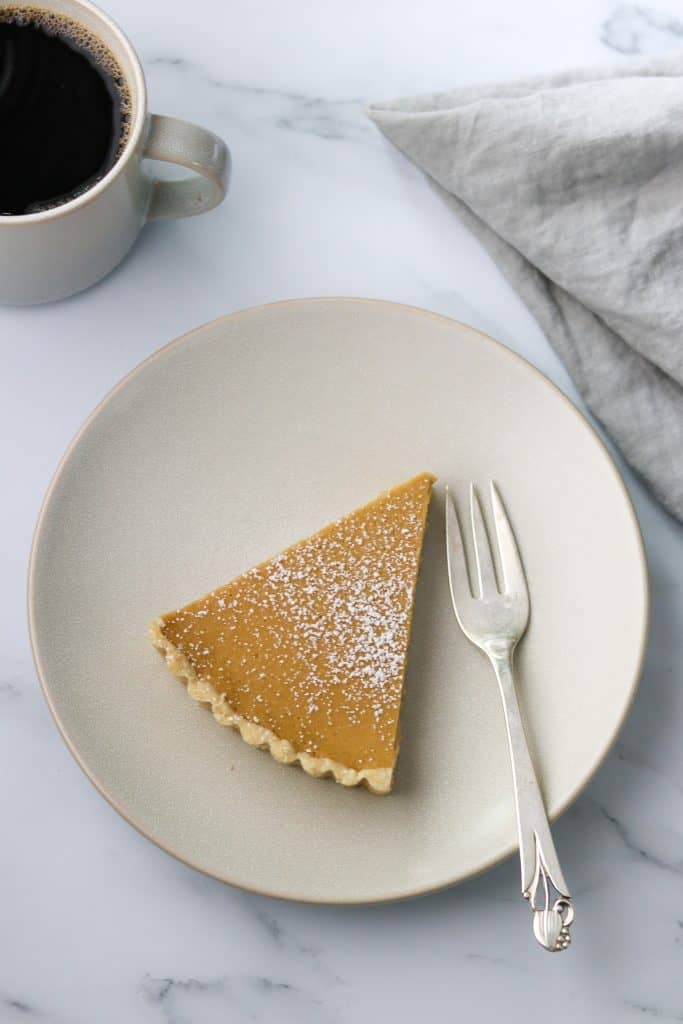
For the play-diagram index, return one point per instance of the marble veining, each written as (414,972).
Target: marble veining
(256,997)
(664,864)
(305,954)
(9,690)
(632,29)
(323,118)
(17,1008)
(638,760)
(656,1012)
(100,926)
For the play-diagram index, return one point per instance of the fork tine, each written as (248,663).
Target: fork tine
(513,571)
(486,574)
(458,577)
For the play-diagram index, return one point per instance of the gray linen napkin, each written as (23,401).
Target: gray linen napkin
(574,183)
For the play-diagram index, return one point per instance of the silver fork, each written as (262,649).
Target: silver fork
(495,620)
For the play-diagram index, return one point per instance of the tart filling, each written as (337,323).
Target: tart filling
(305,655)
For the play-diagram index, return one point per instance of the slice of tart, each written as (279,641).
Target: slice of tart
(306,654)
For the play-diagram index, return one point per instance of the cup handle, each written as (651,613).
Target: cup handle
(179,142)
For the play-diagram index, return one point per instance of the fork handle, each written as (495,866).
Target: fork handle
(552,914)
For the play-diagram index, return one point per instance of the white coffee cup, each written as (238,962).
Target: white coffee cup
(64,249)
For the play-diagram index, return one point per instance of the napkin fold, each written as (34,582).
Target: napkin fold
(574,183)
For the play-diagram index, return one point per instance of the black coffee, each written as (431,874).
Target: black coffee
(64,110)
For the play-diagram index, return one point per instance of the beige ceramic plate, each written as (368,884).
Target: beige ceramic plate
(250,433)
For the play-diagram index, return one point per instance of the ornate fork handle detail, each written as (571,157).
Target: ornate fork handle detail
(543,883)
(551,923)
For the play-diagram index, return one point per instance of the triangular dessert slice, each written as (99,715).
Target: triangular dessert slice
(306,654)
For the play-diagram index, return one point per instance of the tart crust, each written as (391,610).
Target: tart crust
(377,780)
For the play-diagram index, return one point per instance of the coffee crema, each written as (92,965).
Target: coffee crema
(65,109)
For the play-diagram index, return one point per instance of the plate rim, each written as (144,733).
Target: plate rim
(113,801)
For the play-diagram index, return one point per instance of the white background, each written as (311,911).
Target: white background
(96,924)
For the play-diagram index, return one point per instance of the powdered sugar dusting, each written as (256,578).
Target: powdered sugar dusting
(313,643)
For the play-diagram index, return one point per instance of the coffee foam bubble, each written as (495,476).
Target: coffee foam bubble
(57,24)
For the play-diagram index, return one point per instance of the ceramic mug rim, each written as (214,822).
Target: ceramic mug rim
(136,81)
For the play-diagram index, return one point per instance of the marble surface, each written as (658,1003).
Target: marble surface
(98,924)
